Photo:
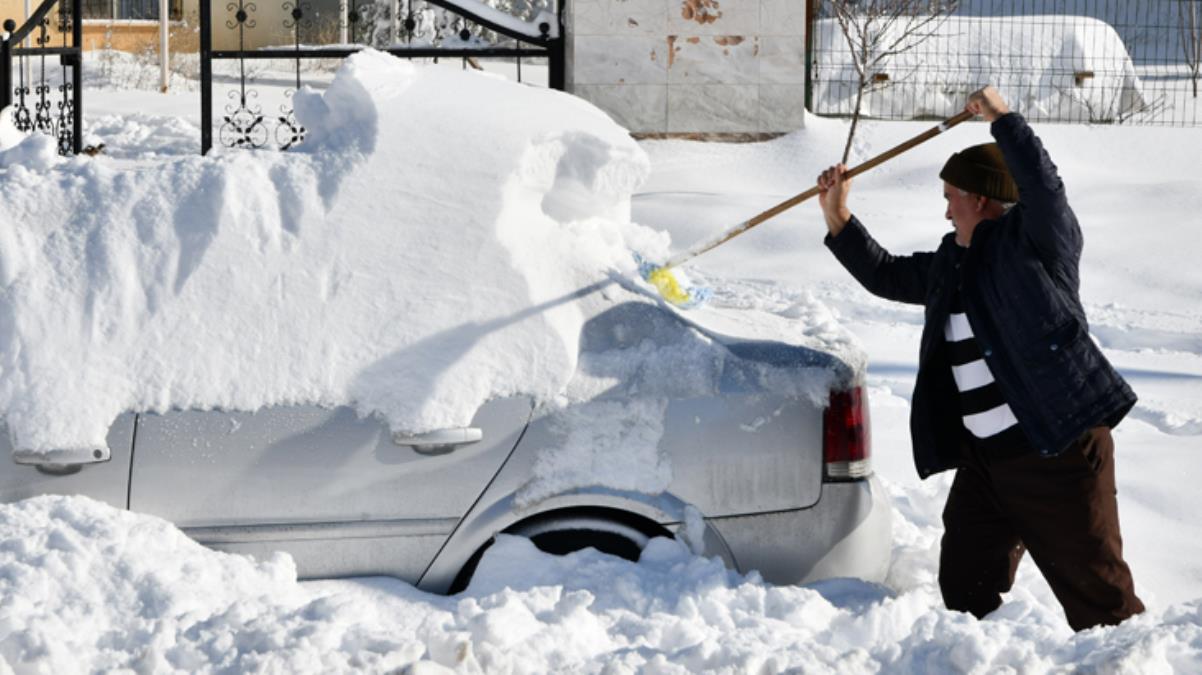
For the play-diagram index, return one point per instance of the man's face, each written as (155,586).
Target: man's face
(964,210)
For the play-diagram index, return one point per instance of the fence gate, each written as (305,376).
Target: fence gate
(44,98)
(296,33)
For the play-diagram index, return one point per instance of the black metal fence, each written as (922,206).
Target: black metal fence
(1096,61)
(44,101)
(431,29)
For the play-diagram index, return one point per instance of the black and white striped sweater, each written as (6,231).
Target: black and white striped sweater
(983,410)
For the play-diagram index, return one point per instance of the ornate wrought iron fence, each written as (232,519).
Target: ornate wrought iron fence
(32,91)
(404,28)
(1098,61)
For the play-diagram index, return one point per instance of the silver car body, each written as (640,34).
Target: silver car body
(346,497)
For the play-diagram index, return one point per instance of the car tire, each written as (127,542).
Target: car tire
(609,531)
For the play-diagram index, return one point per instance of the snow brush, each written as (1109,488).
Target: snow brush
(672,290)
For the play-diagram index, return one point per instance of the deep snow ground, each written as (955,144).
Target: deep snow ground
(94,589)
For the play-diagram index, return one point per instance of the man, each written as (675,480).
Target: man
(1011,391)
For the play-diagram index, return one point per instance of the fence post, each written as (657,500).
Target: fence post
(809,91)
(206,76)
(557,66)
(6,65)
(77,77)
(164,46)
(557,71)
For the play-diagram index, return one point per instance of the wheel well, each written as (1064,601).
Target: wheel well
(563,531)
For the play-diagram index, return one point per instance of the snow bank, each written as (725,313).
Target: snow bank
(85,587)
(417,259)
(27,151)
(1035,62)
(9,134)
(36,152)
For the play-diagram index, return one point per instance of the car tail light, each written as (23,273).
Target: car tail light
(846,443)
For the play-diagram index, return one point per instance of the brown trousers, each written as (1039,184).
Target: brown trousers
(1061,509)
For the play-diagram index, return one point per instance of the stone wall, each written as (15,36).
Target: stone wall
(690,66)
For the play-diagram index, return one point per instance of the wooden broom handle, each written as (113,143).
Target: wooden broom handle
(797,199)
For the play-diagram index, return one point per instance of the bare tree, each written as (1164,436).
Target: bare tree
(1191,37)
(877,30)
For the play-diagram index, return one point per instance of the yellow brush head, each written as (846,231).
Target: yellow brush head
(668,286)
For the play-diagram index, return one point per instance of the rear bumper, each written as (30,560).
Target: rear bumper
(847,533)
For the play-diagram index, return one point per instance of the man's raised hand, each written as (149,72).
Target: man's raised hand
(987,103)
(833,187)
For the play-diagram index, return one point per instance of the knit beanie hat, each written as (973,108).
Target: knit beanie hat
(981,170)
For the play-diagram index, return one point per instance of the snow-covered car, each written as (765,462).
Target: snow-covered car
(1068,68)
(378,367)
(768,482)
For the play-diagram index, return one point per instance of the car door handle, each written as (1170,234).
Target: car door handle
(61,462)
(441,441)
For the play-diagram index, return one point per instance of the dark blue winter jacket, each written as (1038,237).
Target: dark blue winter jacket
(1019,282)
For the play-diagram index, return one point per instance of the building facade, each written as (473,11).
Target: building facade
(678,67)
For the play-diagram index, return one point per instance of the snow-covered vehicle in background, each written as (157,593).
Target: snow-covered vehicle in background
(378,362)
(1058,68)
